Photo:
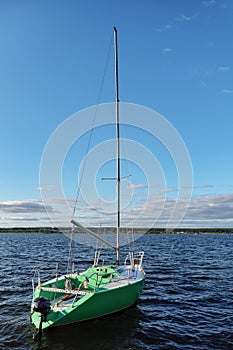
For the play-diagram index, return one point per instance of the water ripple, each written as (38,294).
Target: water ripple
(186,304)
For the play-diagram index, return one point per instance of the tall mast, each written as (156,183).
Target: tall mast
(118,174)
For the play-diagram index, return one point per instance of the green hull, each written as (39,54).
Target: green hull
(107,292)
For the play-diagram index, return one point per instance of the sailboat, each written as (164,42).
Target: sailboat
(101,289)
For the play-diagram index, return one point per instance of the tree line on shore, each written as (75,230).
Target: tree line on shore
(110,230)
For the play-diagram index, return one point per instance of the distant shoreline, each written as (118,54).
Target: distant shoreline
(49,230)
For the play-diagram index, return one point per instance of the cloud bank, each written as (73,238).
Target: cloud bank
(215,210)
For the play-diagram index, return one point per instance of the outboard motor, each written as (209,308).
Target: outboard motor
(41,305)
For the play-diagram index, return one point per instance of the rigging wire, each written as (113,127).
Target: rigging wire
(93,123)
(88,149)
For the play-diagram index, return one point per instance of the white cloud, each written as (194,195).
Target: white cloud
(204,83)
(183,18)
(20,218)
(167,190)
(206,210)
(215,207)
(223,69)
(209,3)
(141,186)
(25,206)
(227,91)
(174,23)
(45,189)
(203,186)
(167,50)
(163,28)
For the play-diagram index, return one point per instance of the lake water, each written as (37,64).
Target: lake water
(186,303)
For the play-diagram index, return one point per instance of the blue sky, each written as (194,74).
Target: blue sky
(175,58)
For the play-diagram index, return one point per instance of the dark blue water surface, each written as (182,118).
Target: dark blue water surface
(186,304)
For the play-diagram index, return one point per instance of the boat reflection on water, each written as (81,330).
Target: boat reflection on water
(117,329)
